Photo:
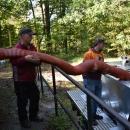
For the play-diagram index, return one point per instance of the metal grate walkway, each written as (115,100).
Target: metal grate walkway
(78,98)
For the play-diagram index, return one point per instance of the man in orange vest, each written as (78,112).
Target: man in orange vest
(92,80)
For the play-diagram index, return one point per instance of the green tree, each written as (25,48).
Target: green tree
(87,20)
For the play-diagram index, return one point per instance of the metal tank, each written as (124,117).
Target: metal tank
(115,92)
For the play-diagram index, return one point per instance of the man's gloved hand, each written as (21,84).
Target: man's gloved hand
(32,58)
(106,71)
(95,68)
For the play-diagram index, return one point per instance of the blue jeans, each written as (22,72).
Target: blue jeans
(95,86)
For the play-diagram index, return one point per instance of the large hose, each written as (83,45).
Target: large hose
(65,66)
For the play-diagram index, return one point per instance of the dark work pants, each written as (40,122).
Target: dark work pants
(27,90)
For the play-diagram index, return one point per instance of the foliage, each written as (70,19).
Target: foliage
(90,19)
(68,26)
(11,16)
(60,122)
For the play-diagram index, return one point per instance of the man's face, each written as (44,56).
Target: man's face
(27,38)
(101,45)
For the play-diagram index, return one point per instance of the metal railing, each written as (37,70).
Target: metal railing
(90,96)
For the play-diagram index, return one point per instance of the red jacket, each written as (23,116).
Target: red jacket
(23,70)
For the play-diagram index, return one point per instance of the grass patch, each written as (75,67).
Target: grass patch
(60,122)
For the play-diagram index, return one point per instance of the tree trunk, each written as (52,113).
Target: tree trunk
(35,25)
(65,45)
(1,45)
(62,8)
(43,19)
(47,19)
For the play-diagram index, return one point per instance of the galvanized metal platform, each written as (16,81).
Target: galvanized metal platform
(78,99)
(2,63)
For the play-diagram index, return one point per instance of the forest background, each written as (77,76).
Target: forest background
(67,28)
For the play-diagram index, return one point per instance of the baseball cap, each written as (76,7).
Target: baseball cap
(99,40)
(26,31)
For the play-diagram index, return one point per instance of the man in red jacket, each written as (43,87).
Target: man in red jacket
(24,76)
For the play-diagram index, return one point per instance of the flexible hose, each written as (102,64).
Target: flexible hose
(87,66)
